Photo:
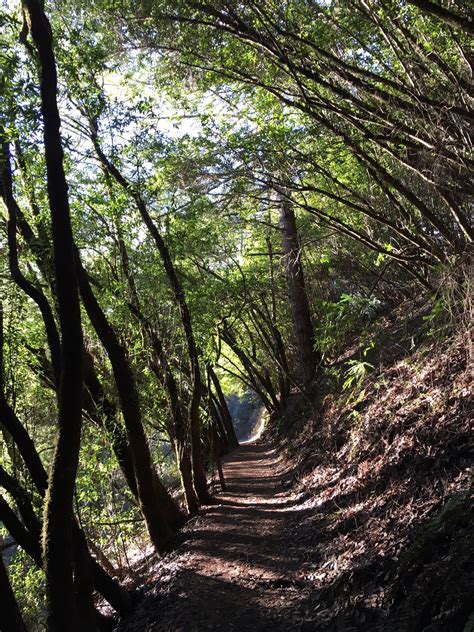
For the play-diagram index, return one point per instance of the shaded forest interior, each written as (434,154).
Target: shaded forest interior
(236,315)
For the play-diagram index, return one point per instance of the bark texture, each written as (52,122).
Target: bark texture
(58,524)
(297,296)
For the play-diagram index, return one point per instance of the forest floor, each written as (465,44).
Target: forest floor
(237,566)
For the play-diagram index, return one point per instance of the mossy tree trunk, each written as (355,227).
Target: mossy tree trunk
(118,597)
(58,545)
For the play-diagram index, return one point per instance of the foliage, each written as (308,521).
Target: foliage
(28,583)
(349,315)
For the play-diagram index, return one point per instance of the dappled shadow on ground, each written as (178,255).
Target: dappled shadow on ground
(236,567)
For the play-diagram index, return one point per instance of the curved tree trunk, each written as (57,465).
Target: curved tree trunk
(58,525)
(226,417)
(28,541)
(160,366)
(95,400)
(102,410)
(440,12)
(23,502)
(217,423)
(118,597)
(186,475)
(14,214)
(161,513)
(199,472)
(258,380)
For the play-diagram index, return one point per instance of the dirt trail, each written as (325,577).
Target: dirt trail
(236,566)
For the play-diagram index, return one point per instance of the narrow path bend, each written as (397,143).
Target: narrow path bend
(236,567)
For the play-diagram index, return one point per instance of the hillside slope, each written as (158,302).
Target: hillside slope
(386,463)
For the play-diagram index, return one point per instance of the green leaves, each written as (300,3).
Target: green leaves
(355,374)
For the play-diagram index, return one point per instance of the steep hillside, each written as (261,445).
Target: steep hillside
(385,465)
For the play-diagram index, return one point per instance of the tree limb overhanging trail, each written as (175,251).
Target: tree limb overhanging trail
(237,557)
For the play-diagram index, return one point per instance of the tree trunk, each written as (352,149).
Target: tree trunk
(224,410)
(199,472)
(84,584)
(216,416)
(443,14)
(28,541)
(259,380)
(11,619)
(94,395)
(30,290)
(273,342)
(284,378)
(297,296)
(179,433)
(161,513)
(163,372)
(186,475)
(216,451)
(23,502)
(58,542)
(118,597)
(102,410)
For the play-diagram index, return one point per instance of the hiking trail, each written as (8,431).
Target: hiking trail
(236,566)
